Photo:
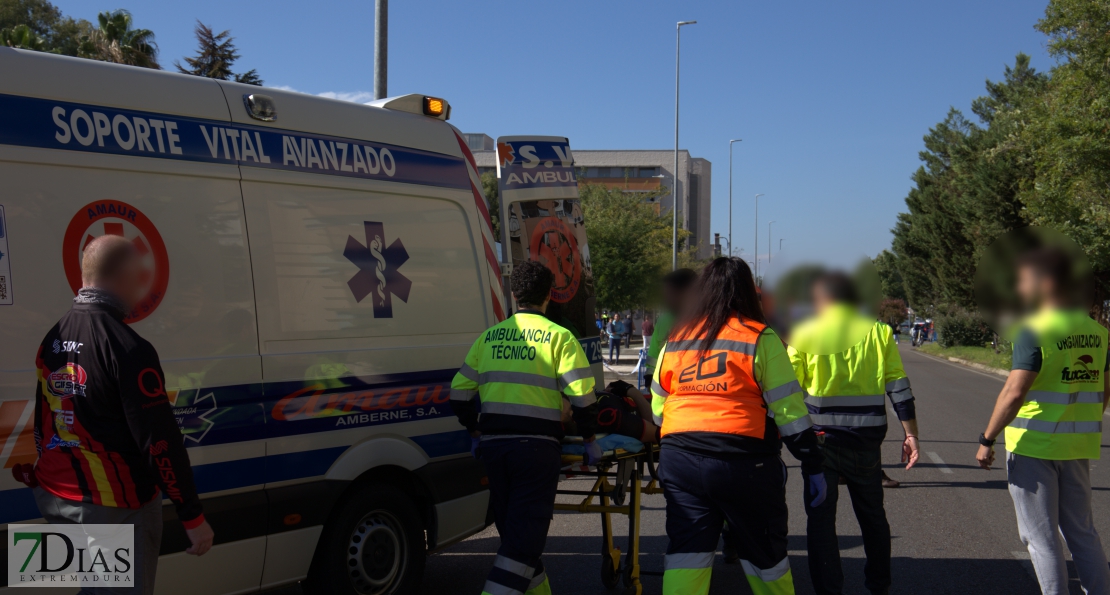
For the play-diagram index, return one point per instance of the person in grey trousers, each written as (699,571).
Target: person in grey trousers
(1051,409)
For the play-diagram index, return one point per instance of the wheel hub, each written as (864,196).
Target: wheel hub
(375,554)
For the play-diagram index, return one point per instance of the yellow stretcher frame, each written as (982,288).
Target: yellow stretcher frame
(627,477)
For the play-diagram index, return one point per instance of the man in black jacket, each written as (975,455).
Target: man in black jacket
(109,445)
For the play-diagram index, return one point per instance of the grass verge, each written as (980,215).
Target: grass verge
(979,355)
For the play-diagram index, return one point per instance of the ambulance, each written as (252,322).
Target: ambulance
(316,271)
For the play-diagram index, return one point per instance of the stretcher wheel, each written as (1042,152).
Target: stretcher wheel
(626,574)
(636,589)
(610,577)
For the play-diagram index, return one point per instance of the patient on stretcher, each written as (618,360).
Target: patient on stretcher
(621,409)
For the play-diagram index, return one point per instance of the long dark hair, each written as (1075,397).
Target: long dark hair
(724,289)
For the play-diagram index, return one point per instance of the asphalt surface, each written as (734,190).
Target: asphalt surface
(952,523)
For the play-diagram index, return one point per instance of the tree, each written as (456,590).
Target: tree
(892,311)
(216,53)
(630,245)
(489,188)
(115,40)
(892,285)
(23,38)
(60,34)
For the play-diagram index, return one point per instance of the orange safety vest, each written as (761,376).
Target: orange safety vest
(715,390)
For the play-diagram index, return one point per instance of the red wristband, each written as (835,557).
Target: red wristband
(194,523)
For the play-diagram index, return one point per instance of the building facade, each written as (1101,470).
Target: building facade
(637,171)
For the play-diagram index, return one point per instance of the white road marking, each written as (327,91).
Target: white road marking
(1026,563)
(939,462)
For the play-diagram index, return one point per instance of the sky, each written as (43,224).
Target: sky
(831,99)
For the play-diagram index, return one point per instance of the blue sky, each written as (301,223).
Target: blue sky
(831,98)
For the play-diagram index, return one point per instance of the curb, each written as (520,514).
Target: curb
(969,364)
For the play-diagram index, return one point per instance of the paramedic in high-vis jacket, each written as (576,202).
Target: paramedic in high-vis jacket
(516,374)
(108,443)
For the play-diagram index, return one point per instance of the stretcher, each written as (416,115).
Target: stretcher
(618,486)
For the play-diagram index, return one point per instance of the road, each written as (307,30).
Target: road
(952,523)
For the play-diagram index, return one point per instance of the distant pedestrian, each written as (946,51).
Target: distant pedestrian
(600,325)
(897,330)
(646,330)
(615,330)
(628,328)
(1053,424)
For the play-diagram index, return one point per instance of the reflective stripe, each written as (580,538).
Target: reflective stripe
(657,389)
(850,401)
(574,376)
(1047,396)
(523,378)
(462,394)
(901,396)
(719,345)
(583,401)
(781,392)
(522,410)
(848,421)
(1057,427)
(799,425)
(767,575)
(897,385)
(469,373)
(539,579)
(492,588)
(694,560)
(658,420)
(510,565)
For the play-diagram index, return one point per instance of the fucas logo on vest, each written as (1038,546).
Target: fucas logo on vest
(1080,371)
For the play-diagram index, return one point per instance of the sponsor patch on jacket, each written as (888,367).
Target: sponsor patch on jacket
(67,381)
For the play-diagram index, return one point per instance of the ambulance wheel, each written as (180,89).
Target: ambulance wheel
(610,576)
(373,546)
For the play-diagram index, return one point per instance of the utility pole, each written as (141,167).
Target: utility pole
(381,47)
(674,187)
(769,242)
(730,190)
(756,255)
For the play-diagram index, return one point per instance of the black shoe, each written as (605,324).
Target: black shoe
(888,482)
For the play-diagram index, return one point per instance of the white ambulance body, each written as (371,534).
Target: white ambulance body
(315,280)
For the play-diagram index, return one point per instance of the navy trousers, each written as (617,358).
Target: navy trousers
(523,476)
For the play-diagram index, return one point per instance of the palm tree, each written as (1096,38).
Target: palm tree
(22,37)
(115,41)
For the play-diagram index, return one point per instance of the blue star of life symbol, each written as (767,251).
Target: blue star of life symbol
(378,276)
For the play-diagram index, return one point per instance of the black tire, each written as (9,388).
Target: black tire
(609,575)
(373,546)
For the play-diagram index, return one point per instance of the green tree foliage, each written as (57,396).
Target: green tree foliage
(59,34)
(216,54)
(886,264)
(21,37)
(630,245)
(967,192)
(489,188)
(116,40)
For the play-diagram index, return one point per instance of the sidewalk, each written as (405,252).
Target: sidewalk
(622,368)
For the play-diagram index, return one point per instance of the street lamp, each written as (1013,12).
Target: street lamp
(769,242)
(730,191)
(756,256)
(729,245)
(674,189)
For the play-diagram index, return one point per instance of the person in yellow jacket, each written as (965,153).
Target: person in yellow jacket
(1051,408)
(509,396)
(726,399)
(849,366)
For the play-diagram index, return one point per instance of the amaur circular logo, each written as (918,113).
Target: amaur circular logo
(112,217)
(553,244)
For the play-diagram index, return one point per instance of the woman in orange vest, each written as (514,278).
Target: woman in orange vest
(726,398)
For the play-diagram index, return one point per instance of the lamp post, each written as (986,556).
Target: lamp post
(729,245)
(756,255)
(769,242)
(674,187)
(730,191)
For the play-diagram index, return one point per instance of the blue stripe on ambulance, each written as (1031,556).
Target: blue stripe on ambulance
(48,124)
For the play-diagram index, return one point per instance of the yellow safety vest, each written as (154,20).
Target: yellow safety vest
(1061,418)
(520,369)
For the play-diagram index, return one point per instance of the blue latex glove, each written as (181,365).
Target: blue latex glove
(816,488)
(474,442)
(593,452)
